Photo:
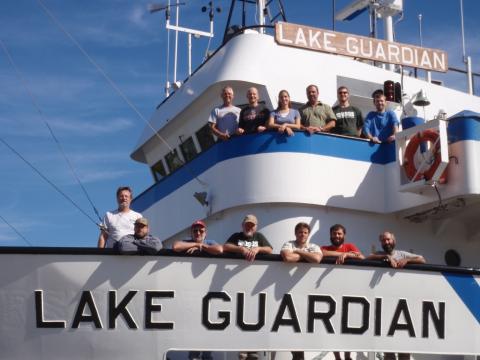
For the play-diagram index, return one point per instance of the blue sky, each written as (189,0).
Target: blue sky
(97,129)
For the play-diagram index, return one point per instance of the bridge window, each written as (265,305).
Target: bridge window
(205,137)
(188,149)
(159,171)
(173,161)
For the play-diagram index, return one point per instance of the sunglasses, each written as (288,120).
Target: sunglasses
(199,230)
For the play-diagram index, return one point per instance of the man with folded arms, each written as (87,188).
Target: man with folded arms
(140,241)
(198,241)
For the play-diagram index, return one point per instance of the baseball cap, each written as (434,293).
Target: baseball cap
(142,221)
(251,219)
(199,223)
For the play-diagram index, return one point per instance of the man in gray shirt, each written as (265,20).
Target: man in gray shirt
(140,241)
(223,120)
(396,258)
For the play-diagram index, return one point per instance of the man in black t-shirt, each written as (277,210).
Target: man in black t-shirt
(349,118)
(254,116)
(248,242)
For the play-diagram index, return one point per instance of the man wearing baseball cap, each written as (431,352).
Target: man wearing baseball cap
(198,241)
(248,242)
(140,241)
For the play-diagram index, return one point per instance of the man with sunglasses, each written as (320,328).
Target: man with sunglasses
(349,118)
(198,241)
(140,241)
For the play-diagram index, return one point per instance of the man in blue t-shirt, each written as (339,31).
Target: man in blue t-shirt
(381,125)
(198,241)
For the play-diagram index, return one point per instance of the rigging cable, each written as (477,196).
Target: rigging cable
(51,183)
(59,145)
(14,229)
(111,83)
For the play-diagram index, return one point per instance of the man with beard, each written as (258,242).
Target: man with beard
(198,241)
(341,250)
(315,115)
(248,242)
(396,258)
(118,223)
(254,116)
(140,241)
(380,126)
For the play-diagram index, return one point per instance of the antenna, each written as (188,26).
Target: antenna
(420,29)
(352,10)
(464,57)
(196,33)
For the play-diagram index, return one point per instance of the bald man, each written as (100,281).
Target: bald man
(396,258)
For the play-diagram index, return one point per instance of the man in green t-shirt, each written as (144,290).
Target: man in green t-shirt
(315,115)
(349,118)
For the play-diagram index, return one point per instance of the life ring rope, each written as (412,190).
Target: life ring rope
(431,160)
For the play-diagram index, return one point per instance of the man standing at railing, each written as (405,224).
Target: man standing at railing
(253,117)
(396,259)
(339,248)
(298,250)
(198,241)
(248,242)
(315,115)
(301,248)
(381,125)
(349,118)
(118,223)
(140,241)
(224,119)
(342,251)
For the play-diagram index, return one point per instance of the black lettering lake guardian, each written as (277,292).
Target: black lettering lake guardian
(231,312)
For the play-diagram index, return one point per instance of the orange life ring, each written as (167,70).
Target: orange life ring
(412,147)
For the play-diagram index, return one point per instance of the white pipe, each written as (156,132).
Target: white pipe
(189,54)
(177,13)
(388,27)
(469,75)
(463,32)
(261,17)
(429,76)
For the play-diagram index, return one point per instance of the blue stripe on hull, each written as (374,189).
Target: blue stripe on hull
(468,290)
(462,126)
(269,142)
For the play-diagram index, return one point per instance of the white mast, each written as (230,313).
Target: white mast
(261,15)
(385,9)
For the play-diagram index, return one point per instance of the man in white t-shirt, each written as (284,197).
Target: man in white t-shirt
(223,120)
(297,250)
(118,223)
(300,248)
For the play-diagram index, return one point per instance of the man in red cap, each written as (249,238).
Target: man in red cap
(198,241)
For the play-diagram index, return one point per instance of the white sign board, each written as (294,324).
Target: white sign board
(356,46)
(124,307)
